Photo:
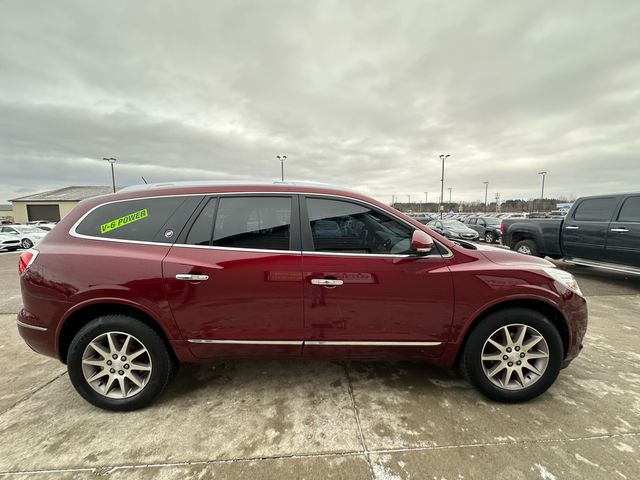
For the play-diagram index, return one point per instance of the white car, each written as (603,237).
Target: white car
(27,235)
(9,242)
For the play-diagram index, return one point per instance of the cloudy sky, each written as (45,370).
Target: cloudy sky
(364,94)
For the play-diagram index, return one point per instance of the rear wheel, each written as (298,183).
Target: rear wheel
(527,247)
(116,362)
(26,243)
(513,355)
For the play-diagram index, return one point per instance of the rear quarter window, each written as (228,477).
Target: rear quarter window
(149,219)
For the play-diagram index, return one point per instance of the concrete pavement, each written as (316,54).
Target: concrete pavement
(311,420)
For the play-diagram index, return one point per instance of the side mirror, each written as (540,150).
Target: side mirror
(421,243)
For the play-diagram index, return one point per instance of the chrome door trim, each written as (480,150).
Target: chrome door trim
(327,282)
(32,327)
(192,277)
(371,343)
(317,343)
(619,230)
(246,342)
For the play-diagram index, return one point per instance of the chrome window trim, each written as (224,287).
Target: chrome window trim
(32,327)
(73,233)
(246,342)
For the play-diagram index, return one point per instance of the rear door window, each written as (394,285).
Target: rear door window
(630,211)
(158,219)
(595,209)
(259,222)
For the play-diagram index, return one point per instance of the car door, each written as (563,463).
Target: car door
(472,224)
(234,278)
(584,233)
(623,237)
(366,295)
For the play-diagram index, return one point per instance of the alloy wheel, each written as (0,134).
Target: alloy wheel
(524,249)
(116,365)
(515,357)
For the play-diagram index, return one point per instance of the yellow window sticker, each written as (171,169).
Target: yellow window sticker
(122,221)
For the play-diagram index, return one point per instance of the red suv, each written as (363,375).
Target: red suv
(128,285)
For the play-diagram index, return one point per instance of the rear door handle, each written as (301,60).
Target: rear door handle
(190,277)
(619,230)
(572,227)
(327,282)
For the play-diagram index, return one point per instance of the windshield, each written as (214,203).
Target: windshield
(453,224)
(27,229)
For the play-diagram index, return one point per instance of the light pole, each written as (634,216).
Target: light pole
(486,189)
(426,201)
(443,157)
(113,176)
(282,158)
(450,188)
(544,174)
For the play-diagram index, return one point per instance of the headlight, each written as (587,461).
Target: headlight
(454,234)
(565,278)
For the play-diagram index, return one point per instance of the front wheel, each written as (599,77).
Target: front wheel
(117,362)
(513,355)
(26,243)
(490,237)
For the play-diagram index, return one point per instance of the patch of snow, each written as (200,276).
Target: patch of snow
(585,460)
(544,473)
(623,447)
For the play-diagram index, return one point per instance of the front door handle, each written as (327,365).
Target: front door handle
(190,277)
(572,227)
(619,230)
(327,282)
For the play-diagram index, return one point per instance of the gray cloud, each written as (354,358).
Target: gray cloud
(362,94)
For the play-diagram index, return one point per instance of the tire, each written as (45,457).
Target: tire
(26,243)
(152,369)
(490,237)
(527,247)
(518,388)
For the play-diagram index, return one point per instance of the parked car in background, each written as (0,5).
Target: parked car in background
(130,283)
(558,213)
(28,235)
(600,231)
(488,228)
(453,229)
(47,227)
(9,242)
(423,217)
(38,222)
(4,221)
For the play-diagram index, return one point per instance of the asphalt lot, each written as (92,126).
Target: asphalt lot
(317,420)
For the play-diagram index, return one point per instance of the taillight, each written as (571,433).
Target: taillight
(501,228)
(26,259)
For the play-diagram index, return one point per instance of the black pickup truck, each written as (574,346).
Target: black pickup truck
(601,231)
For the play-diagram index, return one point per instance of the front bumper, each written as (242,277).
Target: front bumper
(576,314)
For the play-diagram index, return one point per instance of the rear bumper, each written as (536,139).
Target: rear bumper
(38,337)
